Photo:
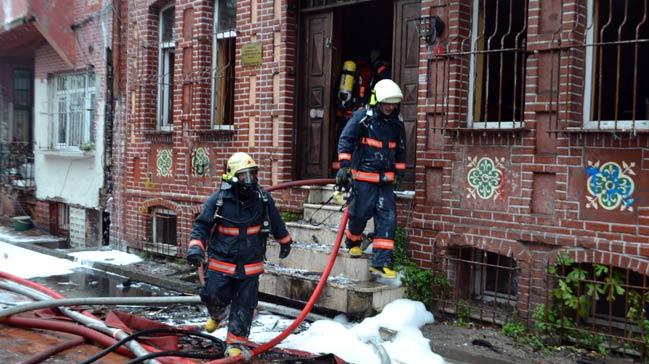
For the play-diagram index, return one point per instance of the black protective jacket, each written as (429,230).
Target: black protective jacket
(235,230)
(371,142)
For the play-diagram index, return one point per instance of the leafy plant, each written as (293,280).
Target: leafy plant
(463,312)
(289,216)
(420,284)
(87,146)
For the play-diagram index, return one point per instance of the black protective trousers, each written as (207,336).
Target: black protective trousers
(374,200)
(241,294)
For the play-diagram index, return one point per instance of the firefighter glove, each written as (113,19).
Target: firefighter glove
(284,250)
(195,256)
(344,177)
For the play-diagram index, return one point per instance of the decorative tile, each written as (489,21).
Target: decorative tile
(200,162)
(485,177)
(610,185)
(164,162)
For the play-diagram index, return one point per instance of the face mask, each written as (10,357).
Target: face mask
(247,182)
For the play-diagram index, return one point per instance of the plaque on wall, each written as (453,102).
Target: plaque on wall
(251,54)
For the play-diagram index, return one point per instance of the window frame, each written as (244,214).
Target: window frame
(158,219)
(495,124)
(166,53)
(216,37)
(88,112)
(587,106)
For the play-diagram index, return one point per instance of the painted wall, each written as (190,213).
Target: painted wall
(71,177)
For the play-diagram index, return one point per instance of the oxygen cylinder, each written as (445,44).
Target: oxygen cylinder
(347,82)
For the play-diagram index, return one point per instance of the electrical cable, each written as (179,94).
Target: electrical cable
(152,332)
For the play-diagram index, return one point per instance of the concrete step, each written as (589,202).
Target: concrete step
(328,214)
(308,233)
(319,194)
(340,294)
(314,257)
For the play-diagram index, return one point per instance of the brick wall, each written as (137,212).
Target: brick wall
(541,206)
(270,133)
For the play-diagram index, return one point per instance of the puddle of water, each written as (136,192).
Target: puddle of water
(86,282)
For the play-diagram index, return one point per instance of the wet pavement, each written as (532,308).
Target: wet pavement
(88,282)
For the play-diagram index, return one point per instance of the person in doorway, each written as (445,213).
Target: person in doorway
(372,155)
(233,227)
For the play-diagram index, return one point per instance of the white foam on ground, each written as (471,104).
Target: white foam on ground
(25,263)
(115,257)
(356,342)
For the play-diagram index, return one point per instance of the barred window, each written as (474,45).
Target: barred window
(223,49)
(167,52)
(164,227)
(73,109)
(497,70)
(617,52)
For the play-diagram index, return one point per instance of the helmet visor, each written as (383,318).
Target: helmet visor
(247,177)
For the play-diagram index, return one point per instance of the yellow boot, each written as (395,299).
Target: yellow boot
(355,251)
(232,351)
(211,325)
(385,272)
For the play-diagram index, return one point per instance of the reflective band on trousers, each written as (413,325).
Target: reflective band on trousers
(344,157)
(371,176)
(234,231)
(377,143)
(254,268)
(379,243)
(221,266)
(234,339)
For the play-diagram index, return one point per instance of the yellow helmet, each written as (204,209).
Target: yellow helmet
(388,91)
(239,162)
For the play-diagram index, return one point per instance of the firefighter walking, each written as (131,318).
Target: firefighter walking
(233,226)
(372,155)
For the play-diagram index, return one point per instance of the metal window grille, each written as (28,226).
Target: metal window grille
(157,231)
(616,94)
(63,218)
(600,301)
(166,59)
(73,97)
(497,63)
(223,52)
(17,165)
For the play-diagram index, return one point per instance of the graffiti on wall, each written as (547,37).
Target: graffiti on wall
(164,162)
(610,185)
(200,162)
(485,177)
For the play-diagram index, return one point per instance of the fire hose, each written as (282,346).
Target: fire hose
(45,292)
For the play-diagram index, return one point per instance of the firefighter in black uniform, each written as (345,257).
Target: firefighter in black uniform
(233,227)
(372,155)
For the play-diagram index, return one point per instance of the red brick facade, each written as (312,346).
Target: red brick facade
(541,205)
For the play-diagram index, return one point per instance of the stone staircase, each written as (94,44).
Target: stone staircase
(350,289)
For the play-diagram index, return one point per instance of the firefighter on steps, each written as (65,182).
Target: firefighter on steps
(372,155)
(233,227)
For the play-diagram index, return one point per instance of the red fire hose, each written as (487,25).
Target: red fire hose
(88,333)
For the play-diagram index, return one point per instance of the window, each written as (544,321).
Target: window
(496,81)
(21,125)
(223,49)
(495,278)
(164,227)
(73,114)
(617,79)
(167,52)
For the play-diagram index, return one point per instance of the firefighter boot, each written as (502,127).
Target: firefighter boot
(384,272)
(236,350)
(211,325)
